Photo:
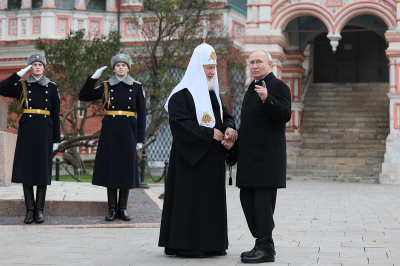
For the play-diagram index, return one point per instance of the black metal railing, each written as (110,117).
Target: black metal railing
(58,163)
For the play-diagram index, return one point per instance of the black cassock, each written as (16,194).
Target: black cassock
(194,214)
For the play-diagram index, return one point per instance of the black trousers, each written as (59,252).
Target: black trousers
(258,205)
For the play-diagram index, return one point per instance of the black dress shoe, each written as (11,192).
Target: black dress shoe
(29,218)
(248,253)
(259,256)
(111,215)
(39,217)
(123,215)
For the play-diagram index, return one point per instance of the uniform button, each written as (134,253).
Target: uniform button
(127,116)
(30,99)
(30,115)
(45,108)
(112,98)
(29,91)
(129,98)
(113,107)
(129,107)
(113,115)
(44,115)
(46,92)
(29,84)
(130,90)
(46,100)
(47,85)
(30,107)
(272,103)
(112,90)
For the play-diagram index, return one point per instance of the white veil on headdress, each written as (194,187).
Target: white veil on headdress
(195,81)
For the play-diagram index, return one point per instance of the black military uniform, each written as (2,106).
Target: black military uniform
(116,165)
(39,128)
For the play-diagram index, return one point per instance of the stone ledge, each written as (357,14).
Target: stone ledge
(56,208)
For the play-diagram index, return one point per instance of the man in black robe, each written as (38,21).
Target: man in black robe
(262,159)
(194,218)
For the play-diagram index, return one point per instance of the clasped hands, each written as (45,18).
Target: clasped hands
(229,139)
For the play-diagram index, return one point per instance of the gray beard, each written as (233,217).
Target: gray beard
(210,84)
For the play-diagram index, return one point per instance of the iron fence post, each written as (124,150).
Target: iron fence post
(57,169)
(165,178)
(142,184)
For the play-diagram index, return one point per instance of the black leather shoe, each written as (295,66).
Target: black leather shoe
(29,218)
(123,215)
(215,253)
(112,214)
(39,217)
(259,256)
(248,253)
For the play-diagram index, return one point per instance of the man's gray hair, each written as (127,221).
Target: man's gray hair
(267,55)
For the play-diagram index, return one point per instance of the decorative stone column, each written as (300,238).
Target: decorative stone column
(292,73)
(112,5)
(48,4)
(391,164)
(3,4)
(80,4)
(7,147)
(129,5)
(26,4)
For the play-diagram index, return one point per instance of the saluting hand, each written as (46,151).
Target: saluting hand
(23,71)
(98,72)
(218,136)
(262,91)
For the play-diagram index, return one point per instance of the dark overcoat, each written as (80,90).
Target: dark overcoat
(262,141)
(194,214)
(36,132)
(116,164)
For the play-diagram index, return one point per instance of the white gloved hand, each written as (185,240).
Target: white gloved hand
(98,72)
(23,71)
(139,146)
(55,146)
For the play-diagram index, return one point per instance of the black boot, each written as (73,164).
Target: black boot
(40,199)
(122,202)
(29,203)
(112,204)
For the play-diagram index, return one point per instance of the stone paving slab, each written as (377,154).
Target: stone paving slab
(317,223)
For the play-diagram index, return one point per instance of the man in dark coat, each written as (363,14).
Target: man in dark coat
(262,160)
(116,165)
(38,132)
(194,218)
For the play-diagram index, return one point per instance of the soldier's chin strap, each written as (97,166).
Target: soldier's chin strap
(24,96)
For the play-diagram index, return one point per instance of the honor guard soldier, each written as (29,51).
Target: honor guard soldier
(122,132)
(38,132)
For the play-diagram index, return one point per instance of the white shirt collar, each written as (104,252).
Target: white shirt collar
(121,79)
(255,81)
(36,77)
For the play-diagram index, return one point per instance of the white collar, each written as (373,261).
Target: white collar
(36,77)
(255,81)
(121,79)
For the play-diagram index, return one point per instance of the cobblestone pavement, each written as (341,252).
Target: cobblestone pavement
(317,223)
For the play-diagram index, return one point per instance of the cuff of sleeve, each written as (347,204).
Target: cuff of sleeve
(141,135)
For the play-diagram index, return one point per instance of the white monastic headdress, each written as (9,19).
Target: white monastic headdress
(195,81)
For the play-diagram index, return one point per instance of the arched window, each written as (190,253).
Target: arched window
(14,4)
(37,3)
(65,4)
(98,5)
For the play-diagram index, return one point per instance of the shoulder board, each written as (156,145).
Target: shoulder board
(97,87)
(138,82)
(53,82)
(18,81)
